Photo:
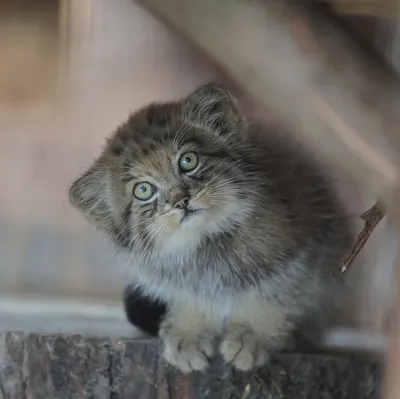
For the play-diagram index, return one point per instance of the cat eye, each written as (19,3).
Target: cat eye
(143,191)
(188,161)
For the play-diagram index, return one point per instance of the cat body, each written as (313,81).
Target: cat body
(231,229)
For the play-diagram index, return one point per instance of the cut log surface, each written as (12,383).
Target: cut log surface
(65,366)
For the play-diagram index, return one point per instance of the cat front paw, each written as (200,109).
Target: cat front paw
(244,348)
(187,351)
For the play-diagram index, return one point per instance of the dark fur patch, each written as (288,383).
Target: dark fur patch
(143,312)
(117,149)
(122,233)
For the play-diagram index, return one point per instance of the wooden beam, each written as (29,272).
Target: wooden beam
(51,315)
(372,8)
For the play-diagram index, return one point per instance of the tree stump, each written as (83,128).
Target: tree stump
(66,366)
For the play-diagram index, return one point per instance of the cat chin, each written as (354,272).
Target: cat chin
(185,223)
(180,244)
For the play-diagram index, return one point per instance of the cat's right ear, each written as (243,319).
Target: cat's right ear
(215,108)
(90,194)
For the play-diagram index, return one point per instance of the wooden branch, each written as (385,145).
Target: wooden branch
(371,218)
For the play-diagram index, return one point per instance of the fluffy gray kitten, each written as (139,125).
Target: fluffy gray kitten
(232,226)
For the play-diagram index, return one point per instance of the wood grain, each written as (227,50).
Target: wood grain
(72,367)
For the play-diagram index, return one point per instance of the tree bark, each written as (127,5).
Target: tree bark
(65,366)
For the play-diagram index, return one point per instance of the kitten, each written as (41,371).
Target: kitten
(231,230)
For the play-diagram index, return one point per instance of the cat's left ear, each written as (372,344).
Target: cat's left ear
(214,108)
(91,195)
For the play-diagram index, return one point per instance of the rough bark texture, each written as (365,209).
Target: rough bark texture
(52,367)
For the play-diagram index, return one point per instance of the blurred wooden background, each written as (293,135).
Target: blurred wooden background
(70,72)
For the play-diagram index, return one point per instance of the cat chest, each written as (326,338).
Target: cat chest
(204,293)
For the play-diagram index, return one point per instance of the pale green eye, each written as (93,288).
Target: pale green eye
(188,161)
(143,191)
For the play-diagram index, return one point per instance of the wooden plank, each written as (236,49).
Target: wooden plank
(66,366)
(54,315)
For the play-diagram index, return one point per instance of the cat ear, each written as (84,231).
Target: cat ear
(213,107)
(90,194)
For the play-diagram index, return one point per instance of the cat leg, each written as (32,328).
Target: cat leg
(188,338)
(254,330)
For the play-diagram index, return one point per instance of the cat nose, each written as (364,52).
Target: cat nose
(180,201)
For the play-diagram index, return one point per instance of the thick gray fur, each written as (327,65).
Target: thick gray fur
(256,257)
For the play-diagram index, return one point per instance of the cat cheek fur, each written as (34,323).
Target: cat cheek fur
(259,263)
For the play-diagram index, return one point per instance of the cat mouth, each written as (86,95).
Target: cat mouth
(189,213)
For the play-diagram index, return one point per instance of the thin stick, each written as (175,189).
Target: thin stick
(371,218)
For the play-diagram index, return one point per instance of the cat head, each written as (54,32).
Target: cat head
(170,175)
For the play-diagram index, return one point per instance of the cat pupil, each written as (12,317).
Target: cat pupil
(188,159)
(143,189)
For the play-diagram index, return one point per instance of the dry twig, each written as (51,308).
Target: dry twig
(371,218)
